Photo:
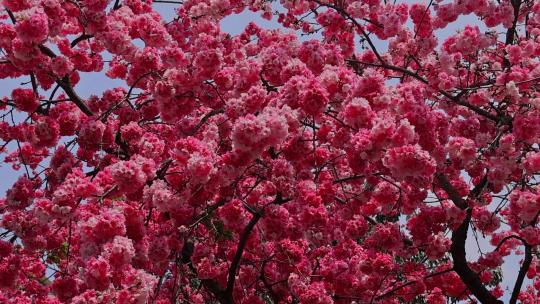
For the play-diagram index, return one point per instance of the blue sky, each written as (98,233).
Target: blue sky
(96,83)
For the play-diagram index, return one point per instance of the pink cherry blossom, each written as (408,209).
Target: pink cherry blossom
(350,154)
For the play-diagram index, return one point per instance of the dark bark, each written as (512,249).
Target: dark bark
(65,84)
(225,296)
(459,238)
(511,33)
(522,272)
(467,275)
(235,264)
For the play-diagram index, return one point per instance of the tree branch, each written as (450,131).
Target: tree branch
(235,264)
(451,191)
(65,84)
(467,275)
(510,34)
(204,120)
(79,39)
(455,99)
(459,237)
(522,272)
(393,290)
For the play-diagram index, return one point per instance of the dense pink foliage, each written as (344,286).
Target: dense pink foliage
(268,168)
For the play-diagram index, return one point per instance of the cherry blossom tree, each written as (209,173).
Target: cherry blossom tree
(348,157)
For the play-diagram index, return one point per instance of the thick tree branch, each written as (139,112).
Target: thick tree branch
(461,267)
(511,33)
(47,51)
(459,238)
(451,191)
(80,38)
(235,264)
(116,5)
(65,84)
(522,272)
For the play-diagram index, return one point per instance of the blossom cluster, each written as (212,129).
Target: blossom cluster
(265,167)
